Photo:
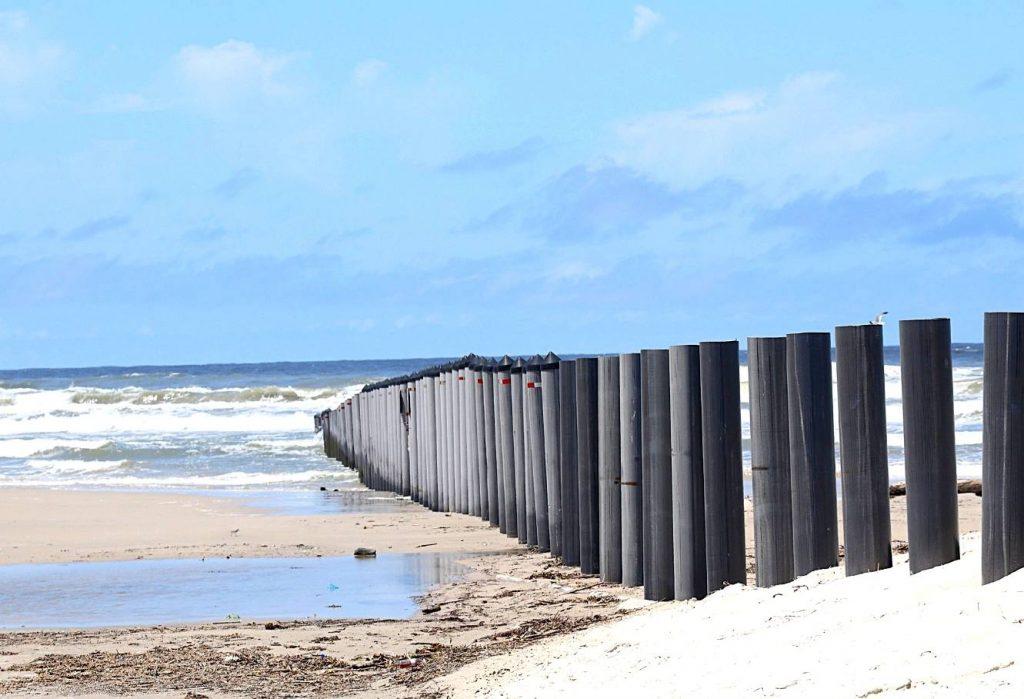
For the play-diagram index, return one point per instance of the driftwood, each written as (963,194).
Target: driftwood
(972,485)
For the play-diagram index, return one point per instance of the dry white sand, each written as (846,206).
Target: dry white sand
(937,633)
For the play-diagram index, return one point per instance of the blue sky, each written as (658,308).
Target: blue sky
(236,181)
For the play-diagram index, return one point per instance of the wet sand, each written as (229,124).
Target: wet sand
(508,601)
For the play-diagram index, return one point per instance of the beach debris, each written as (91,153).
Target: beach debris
(273,625)
(431,609)
(364,552)
(409,663)
(322,488)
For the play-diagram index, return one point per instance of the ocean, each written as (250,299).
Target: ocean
(249,427)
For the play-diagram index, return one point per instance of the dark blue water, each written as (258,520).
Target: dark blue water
(128,593)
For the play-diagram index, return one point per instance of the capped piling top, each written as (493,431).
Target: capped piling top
(534,362)
(549,361)
(518,366)
(505,363)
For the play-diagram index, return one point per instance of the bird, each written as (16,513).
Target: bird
(880,318)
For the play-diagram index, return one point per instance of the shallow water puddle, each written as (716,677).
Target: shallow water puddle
(120,593)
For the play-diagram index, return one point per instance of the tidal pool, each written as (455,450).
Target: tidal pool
(124,593)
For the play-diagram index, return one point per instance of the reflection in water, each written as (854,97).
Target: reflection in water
(56,595)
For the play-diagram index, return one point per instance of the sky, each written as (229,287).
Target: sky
(240,181)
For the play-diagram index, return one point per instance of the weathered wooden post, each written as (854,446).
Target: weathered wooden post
(1002,505)
(723,463)
(609,467)
(926,366)
(769,432)
(812,456)
(535,444)
(863,448)
(690,573)
(656,455)
(490,446)
(569,475)
(550,390)
(525,523)
(504,389)
(631,470)
(586,459)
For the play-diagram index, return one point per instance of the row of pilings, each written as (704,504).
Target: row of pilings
(630,466)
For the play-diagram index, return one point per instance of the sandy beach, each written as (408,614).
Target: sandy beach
(507,602)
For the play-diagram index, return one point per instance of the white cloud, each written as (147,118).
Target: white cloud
(232,72)
(29,65)
(810,130)
(644,21)
(13,21)
(122,103)
(367,72)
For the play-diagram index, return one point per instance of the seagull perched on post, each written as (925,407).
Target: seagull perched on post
(880,318)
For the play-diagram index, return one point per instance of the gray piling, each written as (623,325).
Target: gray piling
(483,494)
(519,453)
(550,391)
(490,446)
(769,460)
(631,471)
(504,391)
(535,435)
(586,460)
(567,455)
(609,469)
(863,448)
(656,456)
(1002,506)
(723,463)
(926,367)
(812,455)
(689,558)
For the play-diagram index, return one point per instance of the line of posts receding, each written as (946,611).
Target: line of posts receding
(630,467)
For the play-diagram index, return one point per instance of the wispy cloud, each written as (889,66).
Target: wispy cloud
(368,71)
(500,159)
(91,229)
(870,210)
(236,183)
(587,202)
(994,81)
(809,129)
(29,65)
(233,71)
(122,103)
(645,20)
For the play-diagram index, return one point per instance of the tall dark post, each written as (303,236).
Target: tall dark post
(610,496)
(535,444)
(586,459)
(567,455)
(519,452)
(723,463)
(862,448)
(926,366)
(550,390)
(1002,507)
(812,454)
(504,388)
(656,456)
(490,446)
(631,470)
(690,560)
(769,432)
